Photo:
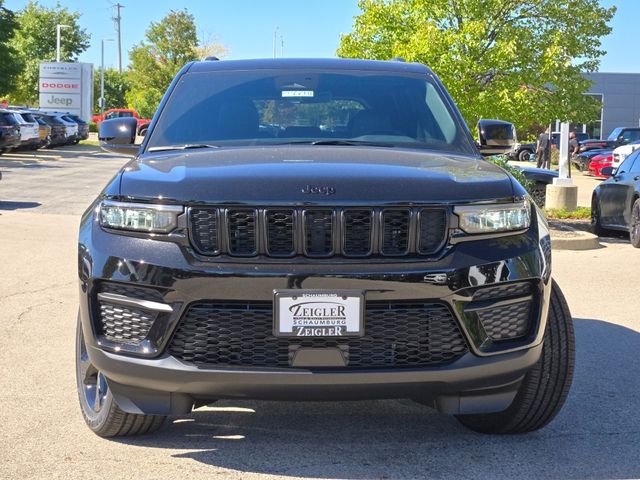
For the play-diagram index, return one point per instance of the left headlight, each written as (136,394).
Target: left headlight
(139,217)
(493,218)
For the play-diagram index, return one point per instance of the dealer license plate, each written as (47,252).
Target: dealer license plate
(318,313)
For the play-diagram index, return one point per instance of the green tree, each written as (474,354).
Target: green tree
(10,63)
(518,60)
(116,87)
(35,41)
(169,45)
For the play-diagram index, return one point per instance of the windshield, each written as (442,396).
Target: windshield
(267,107)
(615,134)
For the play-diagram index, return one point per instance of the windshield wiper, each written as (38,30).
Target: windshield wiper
(186,146)
(360,143)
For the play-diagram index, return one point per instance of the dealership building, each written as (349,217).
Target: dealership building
(620,97)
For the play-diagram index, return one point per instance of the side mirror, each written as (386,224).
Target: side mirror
(118,135)
(608,171)
(496,137)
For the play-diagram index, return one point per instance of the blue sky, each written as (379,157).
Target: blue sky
(309,28)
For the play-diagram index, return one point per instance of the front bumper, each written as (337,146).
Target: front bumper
(484,379)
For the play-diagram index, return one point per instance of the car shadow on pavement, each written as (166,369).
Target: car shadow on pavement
(595,436)
(4,205)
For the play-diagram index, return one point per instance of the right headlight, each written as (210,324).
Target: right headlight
(493,218)
(139,217)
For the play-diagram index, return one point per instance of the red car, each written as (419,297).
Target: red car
(598,162)
(143,123)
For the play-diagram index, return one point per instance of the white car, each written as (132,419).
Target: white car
(29,129)
(622,152)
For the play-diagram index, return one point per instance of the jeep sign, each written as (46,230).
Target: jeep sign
(67,87)
(60,102)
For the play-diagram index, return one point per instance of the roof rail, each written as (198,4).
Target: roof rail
(398,59)
(211,59)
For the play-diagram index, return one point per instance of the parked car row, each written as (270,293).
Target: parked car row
(33,129)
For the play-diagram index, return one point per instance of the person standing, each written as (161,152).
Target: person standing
(574,149)
(543,150)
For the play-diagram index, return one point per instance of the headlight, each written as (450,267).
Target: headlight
(139,217)
(494,218)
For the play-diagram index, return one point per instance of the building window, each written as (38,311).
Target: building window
(594,128)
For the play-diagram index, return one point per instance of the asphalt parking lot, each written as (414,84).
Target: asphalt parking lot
(596,436)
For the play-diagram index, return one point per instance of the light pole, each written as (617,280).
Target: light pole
(275,37)
(101,101)
(58,27)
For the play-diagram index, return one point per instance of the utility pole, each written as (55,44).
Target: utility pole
(117,20)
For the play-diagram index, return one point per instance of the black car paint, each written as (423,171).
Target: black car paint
(9,134)
(539,175)
(615,196)
(58,130)
(150,380)
(83,127)
(278,174)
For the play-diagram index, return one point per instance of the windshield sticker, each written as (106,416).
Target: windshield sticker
(297,93)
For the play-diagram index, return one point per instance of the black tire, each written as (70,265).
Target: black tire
(544,388)
(539,193)
(634,227)
(108,420)
(596,220)
(524,155)
(143,131)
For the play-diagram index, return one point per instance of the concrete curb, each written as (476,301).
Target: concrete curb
(574,240)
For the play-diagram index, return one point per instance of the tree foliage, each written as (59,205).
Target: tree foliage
(35,42)
(518,60)
(116,88)
(169,45)
(10,65)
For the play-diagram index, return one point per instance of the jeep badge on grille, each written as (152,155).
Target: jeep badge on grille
(320,190)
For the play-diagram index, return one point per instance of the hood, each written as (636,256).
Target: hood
(312,174)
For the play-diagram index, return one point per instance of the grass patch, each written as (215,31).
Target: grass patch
(93,143)
(580,213)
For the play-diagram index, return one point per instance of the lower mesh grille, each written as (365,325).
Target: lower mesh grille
(506,322)
(125,324)
(396,335)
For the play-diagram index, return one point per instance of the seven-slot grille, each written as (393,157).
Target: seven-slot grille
(396,335)
(318,232)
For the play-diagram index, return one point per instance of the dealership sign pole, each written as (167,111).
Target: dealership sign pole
(562,193)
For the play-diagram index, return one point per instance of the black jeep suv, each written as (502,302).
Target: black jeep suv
(315,229)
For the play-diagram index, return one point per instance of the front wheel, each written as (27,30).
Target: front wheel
(544,388)
(101,413)
(524,155)
(634,228)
